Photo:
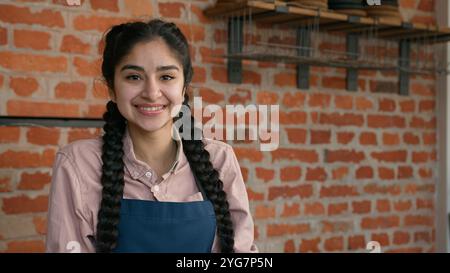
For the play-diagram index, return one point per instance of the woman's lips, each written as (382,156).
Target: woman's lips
(150,109)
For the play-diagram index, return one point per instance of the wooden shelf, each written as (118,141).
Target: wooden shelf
(307,20)
(275,12)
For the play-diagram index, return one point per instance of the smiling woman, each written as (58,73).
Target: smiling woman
(140,188)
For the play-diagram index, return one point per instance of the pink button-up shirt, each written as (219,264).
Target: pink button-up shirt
(76,191)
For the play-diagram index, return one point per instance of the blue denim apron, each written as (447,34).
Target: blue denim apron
(166,227)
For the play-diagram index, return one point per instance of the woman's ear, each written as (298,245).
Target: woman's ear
(112,95)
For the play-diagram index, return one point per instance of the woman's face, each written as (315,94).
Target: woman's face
(148,83)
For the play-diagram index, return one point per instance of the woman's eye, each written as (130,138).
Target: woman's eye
(133,77)
(166,77)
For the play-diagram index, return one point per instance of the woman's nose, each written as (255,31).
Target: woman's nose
(151,90)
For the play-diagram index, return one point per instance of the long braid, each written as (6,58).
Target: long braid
(112,179)
(199,161)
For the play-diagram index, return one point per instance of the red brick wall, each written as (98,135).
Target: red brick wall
(351,167)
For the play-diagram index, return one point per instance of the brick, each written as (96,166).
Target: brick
(34,181)
(264,174)
(338,191)
(290,173)
(383,121)
(264,212)
(40,224)
(291,210)
(376,189)
(422,90)
(24,204)
(401,237)
(199,75)
(95,111)
(266,97)
(386,173)
(420,157)
(73,44)
(402,205)
(386,105)
(248,153)
(86,67)
(296,99)
(429,138)
(338,119)
(138,8)
(310,245)
(22,159)
(383,205)
(25,62)
(303,191)
(171,10)
(286,229)
(424,203)
(363,104)
(334,82)
(3,36)
(5,184)
(193,33)
(315,208)
(296,135)
(338,208)
(26,246)
(43,136)
(254,196)
(108,5)
(251,77)
(361,207)
(345,137)
(390,156)
(407,106)
(418,220)
(9,134)
(364,172)
(343,102)
(356,242)
(411,138)
(41,109)
(81,133)
(285,80)
(23,15)
(368,138)
(336,226)
(24,86)
(427,105)
(382,238)
(404,172)
(70,90)
(289,246)
(316,174)
(421,123)
(240,96)
(319,100)
(380,222)
(426,5)
(293,117)
(307,156)
(391,139)
(339,173)
(342,155)
(334,244)
(37,40)
(94,22)
(320,136)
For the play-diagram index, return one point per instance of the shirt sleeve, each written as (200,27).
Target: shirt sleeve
(67,226)
(233,185)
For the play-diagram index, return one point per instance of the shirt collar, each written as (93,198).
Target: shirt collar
(137,168)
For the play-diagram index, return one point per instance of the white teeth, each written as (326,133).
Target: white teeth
(152,108)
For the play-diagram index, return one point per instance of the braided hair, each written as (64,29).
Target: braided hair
(118,43)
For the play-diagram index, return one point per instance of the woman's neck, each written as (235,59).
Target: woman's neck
(157,148)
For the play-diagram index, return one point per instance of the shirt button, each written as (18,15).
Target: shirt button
(148,174)
(156,188)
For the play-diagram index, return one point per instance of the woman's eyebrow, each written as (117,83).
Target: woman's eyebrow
(134,67)
(167,67)
(159,68)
